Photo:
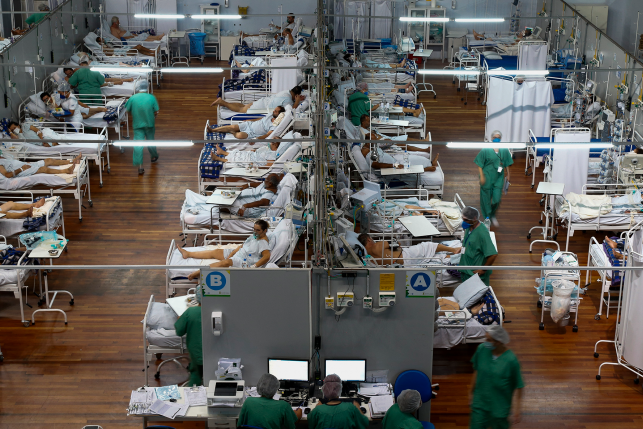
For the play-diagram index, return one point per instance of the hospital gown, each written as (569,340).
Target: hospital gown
(251,251)
(252,195)
(260,156)
(282,98)
(29,134)
(419,253)
(428,178)
(10,165)
(256,129)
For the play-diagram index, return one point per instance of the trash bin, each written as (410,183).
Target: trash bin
(197,44)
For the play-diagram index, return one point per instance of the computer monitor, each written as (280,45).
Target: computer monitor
(289,369)
(347,369)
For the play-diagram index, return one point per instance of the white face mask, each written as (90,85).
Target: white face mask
(16,130)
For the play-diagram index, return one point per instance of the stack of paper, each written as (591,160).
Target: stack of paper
(169,410)
(380,405)
(196,396)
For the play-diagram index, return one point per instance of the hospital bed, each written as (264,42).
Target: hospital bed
(459,327)
(126,89)
(610,279)
(51,220)
(76,184)
(14,281)
(159,337)
(227,117)
(600,207)
(57,131)
(283,238)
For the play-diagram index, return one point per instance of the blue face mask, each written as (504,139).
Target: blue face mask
(255,236)
(466,225)
(366,93)
(496,140)
(62,96)
(489,345)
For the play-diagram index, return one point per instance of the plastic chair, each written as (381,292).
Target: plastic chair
(416,380)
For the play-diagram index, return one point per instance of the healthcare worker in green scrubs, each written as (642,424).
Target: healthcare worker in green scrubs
(265,412)
(496,378)
(477,247)
(493,165)
(87,83)
(359,104)
(335,413)
(400,415)
(144,108)
(190,324)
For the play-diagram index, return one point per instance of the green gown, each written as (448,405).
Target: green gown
(478,247)
(396,419)
(142,107)
(496,381)
(344,415)
(190,323)
(491,191)
(358,104)
(267,413)
(87,83)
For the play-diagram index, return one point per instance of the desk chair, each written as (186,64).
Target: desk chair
(416,380)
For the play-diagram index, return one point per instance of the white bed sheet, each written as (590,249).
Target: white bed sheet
(125,90)
(98,121)
(448,337)
(10,277)
(66,149)
(177,259)
(163,338)
(11,227)
(29,181)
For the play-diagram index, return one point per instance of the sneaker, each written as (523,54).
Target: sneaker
(141,171)
(156,158)
(495,222)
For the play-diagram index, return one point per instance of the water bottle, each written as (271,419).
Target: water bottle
(387,109)
(487,223)
(244,264)
(407,162)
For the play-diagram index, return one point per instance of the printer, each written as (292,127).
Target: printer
(226,392)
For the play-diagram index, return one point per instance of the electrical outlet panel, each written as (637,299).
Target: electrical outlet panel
(345,299)
(387,299)
(329,303)
(368,302)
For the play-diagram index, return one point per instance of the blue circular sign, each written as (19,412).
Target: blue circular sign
(420,282)
(215,280)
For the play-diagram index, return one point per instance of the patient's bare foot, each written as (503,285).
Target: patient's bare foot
(220,151)
(29,212)
(77,160)
(129,79)
(437,155)
(610,243)
(39,203)
(69,170)
(184,253)
(216,102)
(194,275)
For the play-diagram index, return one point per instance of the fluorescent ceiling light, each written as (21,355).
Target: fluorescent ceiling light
(481,145)
(518,72)
(216,16)
(191,70)
(421,19)
(479,20)
(158,16)
(132,143)
(573,145)
(449,72)
(117,69)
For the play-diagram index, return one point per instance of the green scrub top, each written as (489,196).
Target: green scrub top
(489,161)
(35,18)
(142,107)
(496,381)
(396,419)
(190,323)
(267,413)
(477,248)
(87,82)
(358,104)
(344,415)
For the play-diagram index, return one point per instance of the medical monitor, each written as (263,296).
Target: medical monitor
(289,369)
(347,369)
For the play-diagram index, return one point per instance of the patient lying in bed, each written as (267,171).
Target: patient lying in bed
(12,168)
(254,252)
(28,132)
(382,253)
(254,128)
(262,156)
(10,209)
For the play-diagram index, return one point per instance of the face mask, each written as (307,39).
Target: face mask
(496,140)
(62,96)
(16,130)
(255,236)
(489,345)
(466,225)
(366,93)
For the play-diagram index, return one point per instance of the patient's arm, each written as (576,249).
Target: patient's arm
(262,202)
(442,248)
(265,257)
(422,209)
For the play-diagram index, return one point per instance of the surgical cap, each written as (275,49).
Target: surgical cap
(496,133)
(409,401)
(43,7)
(332,387)
(267,386)
(470,213)
(142,86)
(362,86)
(64,87)
(498,333)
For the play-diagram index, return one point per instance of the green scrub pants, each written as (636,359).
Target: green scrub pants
(483,420)
(146,133)
(196,375)
(490,197)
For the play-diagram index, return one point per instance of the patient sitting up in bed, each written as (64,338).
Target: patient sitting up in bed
(77,109)
(119,33)
(28,132)
(262,156)
(292,98)
(6,209)
(10,168)
(381,251)
(254,251)
(253,128)
(257,62)
(98,44)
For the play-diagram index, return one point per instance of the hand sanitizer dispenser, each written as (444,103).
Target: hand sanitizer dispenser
(217,323)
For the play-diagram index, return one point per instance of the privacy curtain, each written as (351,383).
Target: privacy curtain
(532,57)
(570,164)
(283,79)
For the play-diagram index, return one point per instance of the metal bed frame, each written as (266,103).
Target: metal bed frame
(605,276)
(18,287)
(27,197)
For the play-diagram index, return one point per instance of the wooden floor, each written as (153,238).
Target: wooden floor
(57,376)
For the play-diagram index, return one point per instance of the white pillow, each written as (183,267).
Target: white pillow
(285,123)
(161,316)
(281,237)
(470,291)
(351,238)
(362,165)
(492,56)
(280,202)
(58,75)
(290,153)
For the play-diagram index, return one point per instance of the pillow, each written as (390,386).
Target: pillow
(281,200)
(284,124)
(351,238)
(58,75)
(161,316)
(492,56)
(470,291)
(362,165)
(90,41)
(281,237)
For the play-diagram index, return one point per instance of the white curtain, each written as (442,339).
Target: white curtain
(514,109)
(532,57)
(570,164)
(632,303)
(356,27)
(339,21)
(381,28)
(283,79)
